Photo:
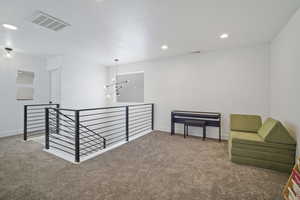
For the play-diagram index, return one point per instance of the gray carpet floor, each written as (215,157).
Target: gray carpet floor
(155,167)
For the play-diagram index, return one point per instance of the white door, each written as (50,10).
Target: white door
(55,86)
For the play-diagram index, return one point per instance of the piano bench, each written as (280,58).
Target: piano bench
(196,123)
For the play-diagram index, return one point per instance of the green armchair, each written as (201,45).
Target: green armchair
(268,145)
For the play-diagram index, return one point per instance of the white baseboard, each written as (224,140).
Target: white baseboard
(11,133)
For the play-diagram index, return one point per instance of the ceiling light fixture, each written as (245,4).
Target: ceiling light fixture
(224,36)
(114,87)
(10,27)
(8,52)
(164,47)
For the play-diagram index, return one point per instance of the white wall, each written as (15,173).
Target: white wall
(82,83)
(285,72)
(229,81)
(11,110)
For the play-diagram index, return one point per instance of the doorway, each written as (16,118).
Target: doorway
(54,90)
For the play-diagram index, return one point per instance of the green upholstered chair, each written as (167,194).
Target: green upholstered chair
(268,145)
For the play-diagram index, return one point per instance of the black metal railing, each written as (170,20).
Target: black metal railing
(83,132)
(34,119)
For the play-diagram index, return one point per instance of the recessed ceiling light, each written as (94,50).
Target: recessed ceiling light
(164,47)
(10,27)
(224,36)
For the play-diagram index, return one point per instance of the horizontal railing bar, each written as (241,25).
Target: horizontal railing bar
(28,113)
(66,120)
(102,108)
(91,147)
(134,116)
(35,116)
(97,144)
(109,143)
(65,136)
(90,136)
(35,131)
(140,105)
(139,118)
(142,130)
(109,139)
(54,126)
(138,122)
(123,119)
(139,108)
(107,130)
(38,109)
(63,109)
(68,127)
(92,141)
(136,128)
(28,109)
(123,131)
(141,111)
(61,124)
(57,138)
(54,114)
(59,144)
(36,105)
(102,113)
(140,125)
(58,148)
(33,127)
(106,126)
(87,120)
(89,152)
(133,119)
(33,120)
(30,124)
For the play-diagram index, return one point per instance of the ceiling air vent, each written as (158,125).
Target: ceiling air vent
(47,21)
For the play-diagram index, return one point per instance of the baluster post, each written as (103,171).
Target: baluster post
(47,135)
(127,123)
(77,137)
(25,122)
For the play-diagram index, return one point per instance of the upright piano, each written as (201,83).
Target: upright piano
(211,119)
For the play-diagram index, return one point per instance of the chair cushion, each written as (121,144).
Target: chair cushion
(274,132)
(247,123)
(255,139)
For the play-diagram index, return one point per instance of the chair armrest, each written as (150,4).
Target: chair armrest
(246,123)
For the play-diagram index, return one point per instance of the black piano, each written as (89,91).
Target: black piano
(211,119)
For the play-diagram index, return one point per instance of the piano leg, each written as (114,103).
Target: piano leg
(187,130)
(220,134)
(204,132)
(172,127)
